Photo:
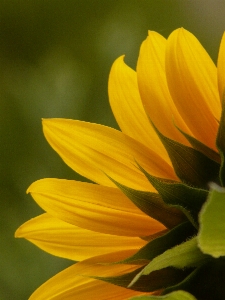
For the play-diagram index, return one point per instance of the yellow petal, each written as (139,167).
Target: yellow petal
(221,68)
(192,81)
(73,283)
(153,88)
(128,109)
(93,150)
(93,207)
(65,240)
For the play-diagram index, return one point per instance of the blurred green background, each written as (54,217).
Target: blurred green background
(55,58)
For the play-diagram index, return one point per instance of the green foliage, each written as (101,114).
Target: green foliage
(211,236)
(160,244)
(155,281)
(190,165)
(205,282)
(220,142)
(153,205)
(210,153)
(185,255)
(180,195)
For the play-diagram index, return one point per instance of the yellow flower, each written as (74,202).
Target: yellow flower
(168,111)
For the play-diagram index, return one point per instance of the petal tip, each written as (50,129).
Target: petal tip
(32,187)
(18,233)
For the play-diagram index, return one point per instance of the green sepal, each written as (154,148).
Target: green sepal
(155,281)
(153,205)
(211,236)
(184,284)
(190,165)
(205,282)
(180,195)
(185,255)
(178,295)
(196,144)
(220,143)
(159,245)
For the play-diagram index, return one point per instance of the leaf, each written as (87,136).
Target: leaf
(190,165)
(185,255)
(220,143)
(154,281)
(211,236)
(156,247)
(178,295)
(205,282)
(153,205)
(180,195)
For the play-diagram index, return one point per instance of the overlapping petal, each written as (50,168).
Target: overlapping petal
(220,68)
(74,283)
(192,81)
(153,88)
(93,150)
(93,207)
(65,240)
(127,107)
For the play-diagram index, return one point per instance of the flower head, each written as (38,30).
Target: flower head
(149,224)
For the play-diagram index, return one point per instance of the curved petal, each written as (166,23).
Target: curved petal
(128,109)
(65,240)
(221,67)
(93,207)
(192,82)
(94,150)
(73,283)
(153,88)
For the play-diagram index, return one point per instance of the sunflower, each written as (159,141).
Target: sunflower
(152,223)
